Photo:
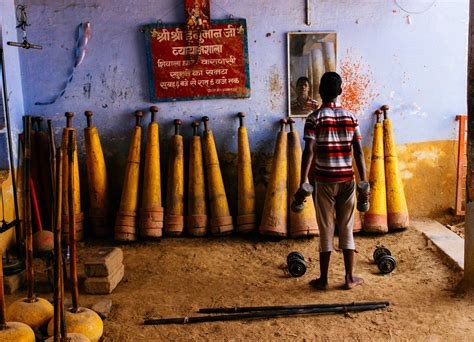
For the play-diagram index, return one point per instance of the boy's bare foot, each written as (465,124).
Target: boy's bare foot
(319,284)
(353,282)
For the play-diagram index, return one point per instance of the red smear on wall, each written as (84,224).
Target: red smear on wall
(357,84)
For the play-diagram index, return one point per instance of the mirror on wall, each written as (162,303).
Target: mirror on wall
(310,55)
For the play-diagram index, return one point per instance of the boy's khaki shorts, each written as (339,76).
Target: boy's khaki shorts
(334,204)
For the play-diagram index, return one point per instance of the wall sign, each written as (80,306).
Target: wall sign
(210,63)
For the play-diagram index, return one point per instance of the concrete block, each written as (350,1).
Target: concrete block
(449,243)
(104,285)
(103,263)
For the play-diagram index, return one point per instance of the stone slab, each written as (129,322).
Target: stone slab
(104,262)
(104,285)
(447,242)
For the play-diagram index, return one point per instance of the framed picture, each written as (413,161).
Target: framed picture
(310,55)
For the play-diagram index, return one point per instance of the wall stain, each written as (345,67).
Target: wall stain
(87,90)
(357,83)
(275,88)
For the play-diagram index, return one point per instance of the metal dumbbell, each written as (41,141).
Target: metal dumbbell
(300,196)
(363,192)
(296,264)
(384,260)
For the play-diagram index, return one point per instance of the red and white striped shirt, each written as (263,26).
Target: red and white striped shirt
(333,128)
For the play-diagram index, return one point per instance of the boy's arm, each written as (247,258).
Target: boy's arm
(359,158)
(307,160)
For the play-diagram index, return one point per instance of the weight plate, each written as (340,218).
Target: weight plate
(387,264)
(292,255)
(379,252)
(297,268)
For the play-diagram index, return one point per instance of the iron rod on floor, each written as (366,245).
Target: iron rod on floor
(284,307)
(264,314)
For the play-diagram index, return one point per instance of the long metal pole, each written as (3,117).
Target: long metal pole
(27,215)
(58,295)
(308,13)
(261,314)
(12,163)
(284,307)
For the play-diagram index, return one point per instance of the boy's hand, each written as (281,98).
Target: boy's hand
(363,196)
(304,191)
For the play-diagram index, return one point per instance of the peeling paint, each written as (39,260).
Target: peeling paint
(411,110)
(427,155)
(401,148)
(87,90)
(406,174)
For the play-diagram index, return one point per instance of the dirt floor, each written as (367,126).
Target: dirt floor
(176,276)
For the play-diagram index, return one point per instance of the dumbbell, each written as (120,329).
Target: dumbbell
(296,264)
(304,191)
(384,260)
(363,193)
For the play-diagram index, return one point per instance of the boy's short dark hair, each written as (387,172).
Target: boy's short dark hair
(302,79)
(330,85)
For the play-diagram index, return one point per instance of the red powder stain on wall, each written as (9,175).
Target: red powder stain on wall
(357,94)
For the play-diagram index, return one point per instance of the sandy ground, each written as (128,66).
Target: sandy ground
(176,276)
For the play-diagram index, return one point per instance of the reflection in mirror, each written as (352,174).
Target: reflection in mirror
(310,55)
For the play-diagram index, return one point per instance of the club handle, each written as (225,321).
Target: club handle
(153,111)
(241,116)
(177,123)
(385,109)
(378,113)
(69,116)
(138,117)
(195,126)
(88,115)
(205,120)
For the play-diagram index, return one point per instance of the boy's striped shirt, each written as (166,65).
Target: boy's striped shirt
(333,128)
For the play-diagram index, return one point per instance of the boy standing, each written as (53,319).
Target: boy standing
(331,136)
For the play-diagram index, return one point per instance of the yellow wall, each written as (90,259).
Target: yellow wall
(428,171)
(7,238)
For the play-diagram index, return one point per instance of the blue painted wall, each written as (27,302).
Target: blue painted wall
(416,62)
(13,77)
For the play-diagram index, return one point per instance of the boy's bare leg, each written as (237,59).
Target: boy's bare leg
(349,260)
(321,283)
